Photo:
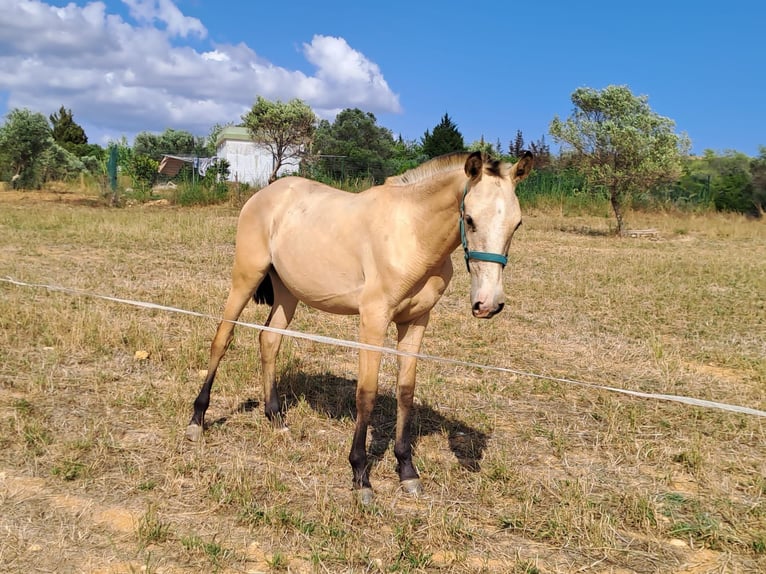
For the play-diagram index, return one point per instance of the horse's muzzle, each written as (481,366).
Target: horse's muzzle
(481,311)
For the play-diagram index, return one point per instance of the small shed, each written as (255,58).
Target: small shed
(248,162)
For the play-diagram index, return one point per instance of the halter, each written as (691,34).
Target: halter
(476,255)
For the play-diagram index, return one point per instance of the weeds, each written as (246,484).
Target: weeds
(151,529)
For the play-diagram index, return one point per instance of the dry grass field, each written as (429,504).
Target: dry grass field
(521,474)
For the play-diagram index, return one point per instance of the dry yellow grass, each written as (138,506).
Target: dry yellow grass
(521,474)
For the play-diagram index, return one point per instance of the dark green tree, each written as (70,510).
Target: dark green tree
(66,132)
(542,153)
(732,185)
(445,138)
(517,146)
(730,181)
(758,172)
(354,145)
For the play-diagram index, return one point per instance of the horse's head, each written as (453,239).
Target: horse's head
(490,214)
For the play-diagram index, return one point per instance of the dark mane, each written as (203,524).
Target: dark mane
(441,164)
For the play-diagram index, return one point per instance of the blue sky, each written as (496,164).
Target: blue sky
(127,66)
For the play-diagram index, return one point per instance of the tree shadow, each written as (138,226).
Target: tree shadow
(335,397)
(587,231)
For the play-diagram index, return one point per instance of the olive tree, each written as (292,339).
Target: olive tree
(617,141)
(285,129)
(24,137)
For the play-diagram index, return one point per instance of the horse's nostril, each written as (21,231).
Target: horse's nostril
(477,306)
(500,307)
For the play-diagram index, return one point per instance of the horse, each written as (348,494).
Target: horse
(383,254)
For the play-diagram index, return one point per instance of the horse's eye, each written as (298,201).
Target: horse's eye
(469,222)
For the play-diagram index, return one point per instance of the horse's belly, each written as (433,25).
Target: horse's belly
(324,291)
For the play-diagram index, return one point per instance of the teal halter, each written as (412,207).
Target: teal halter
(476,255)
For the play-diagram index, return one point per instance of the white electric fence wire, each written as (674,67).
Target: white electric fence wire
(355,345)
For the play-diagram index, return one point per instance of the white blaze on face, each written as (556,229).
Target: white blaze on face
(494,213)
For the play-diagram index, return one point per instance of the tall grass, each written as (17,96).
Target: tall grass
(565,192)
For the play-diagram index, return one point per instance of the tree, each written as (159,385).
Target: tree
(407,155)
(212,139)
(619,143)
(486,147)
(174,142)
(57,163)
(66,132)
(758,171)
(445,138)
(542,153)
(285,129)
(23,138)
(517,146)
(355,146)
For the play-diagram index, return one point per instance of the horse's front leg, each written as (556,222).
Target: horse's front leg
(371,331)
(410,335)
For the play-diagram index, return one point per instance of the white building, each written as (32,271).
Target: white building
(248,161)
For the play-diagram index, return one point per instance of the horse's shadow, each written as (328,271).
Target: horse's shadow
(335,397)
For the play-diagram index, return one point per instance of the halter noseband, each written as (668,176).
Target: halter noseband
(476,255)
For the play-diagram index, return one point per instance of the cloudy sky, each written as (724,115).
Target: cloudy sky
(146,65)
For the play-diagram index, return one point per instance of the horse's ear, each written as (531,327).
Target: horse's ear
(474,165)
(523,167)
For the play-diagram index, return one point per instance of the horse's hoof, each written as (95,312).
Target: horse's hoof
(364,496)
(278,422)
(412,486)
(193,432)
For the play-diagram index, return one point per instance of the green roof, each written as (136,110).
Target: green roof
(237,133)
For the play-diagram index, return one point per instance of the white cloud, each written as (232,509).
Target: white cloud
(121,77)
(147,11)
(344,71)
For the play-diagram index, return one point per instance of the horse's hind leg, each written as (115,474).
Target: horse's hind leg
(281,314)
(243,286)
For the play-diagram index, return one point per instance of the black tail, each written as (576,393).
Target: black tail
(265,292)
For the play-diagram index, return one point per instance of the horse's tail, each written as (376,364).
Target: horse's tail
(265,292)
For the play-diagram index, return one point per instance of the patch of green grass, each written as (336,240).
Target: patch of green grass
(213,551)
(278,562)
(70,470)
(152,529)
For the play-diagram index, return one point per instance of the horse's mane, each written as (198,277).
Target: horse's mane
(440,164)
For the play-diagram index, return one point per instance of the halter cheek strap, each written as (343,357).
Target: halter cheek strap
(476,255)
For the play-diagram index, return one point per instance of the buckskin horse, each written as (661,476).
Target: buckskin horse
(384,254)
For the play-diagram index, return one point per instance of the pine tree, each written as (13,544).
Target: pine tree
(66,132)
(517,146)
(445,138)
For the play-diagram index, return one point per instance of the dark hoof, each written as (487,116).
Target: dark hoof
(412,486)
(364,496)
(193,432)
(277,421)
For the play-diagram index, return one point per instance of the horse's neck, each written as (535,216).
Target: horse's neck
(437,211)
